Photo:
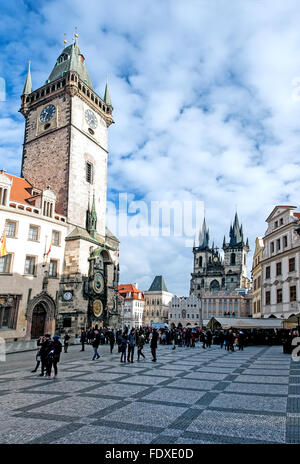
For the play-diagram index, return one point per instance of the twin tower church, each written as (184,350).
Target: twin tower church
(59,263)
(211,273)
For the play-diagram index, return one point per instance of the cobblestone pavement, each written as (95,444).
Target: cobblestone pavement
(189,396)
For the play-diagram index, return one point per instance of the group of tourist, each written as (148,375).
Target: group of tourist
(48,354)
(128,340)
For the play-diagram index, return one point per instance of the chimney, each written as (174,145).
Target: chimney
(136,285)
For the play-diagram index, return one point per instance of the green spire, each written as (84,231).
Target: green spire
(28,85)
(92,220)
(70,59)
(107,99)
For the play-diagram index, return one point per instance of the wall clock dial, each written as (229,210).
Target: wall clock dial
(47,113)
(67,296)
(98,283)
(91,119)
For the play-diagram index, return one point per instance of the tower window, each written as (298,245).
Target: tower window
(89,172)
(232,259)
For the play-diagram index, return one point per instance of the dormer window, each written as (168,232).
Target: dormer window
(62,58)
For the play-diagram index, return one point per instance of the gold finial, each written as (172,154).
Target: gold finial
(76,35)
(65,40)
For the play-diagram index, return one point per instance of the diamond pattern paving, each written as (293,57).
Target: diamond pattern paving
(189,396)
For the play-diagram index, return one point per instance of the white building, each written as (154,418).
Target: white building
(30,222)
(281,263)
(132,306)
(185,311)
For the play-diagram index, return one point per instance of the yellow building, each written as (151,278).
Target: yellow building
(257,278)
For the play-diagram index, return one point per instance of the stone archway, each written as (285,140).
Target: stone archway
(40,315)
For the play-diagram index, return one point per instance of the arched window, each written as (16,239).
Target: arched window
(200,261)
(232,259)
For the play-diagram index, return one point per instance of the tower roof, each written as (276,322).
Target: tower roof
(28,85)
(70,59)
(107,98)
(236,232)
(204,236)
(158,285)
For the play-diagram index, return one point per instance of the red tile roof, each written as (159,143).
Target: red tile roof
(21,189)
(129,288)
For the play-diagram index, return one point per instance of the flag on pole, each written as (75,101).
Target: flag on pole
(47,254)
(3,250)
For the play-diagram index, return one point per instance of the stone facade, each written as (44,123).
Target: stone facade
(257,278)
(281,263)
(185,311)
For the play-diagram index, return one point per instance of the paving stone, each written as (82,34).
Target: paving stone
(250,402)
(256,426)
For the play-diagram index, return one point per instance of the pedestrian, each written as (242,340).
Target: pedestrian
(221,339)
(140,345)
(53,356)
(38,354)
(153,344)
(203,339)
(44,350)
(95,344)
(241,340)
(131,345)
(208,338)
(111,338)
(124,342)
(83,338)
(66,342)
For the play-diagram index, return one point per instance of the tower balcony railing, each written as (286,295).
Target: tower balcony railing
(32,210)
(68,79)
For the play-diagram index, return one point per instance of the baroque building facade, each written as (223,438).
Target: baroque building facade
(281,263)
(66,153)
(211,272)
(257,278)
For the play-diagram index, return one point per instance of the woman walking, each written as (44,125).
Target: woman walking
(140,346)
(124,342)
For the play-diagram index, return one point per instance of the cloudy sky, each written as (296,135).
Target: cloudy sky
(206,97)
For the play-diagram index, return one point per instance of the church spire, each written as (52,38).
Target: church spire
(236,232)
(28,85)
(92,220)
(204,236)
(107,99)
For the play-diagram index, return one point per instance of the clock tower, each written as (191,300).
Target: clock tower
(66,142)
(66,149)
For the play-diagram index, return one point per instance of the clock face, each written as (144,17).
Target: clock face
(215,259)
(67,296)
(91,119)
(47,113)
(98,284)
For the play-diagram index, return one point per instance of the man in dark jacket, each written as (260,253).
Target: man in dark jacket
(153,344)
(53,356)
(83,338)
(131,345)
(95,345)
(44,350)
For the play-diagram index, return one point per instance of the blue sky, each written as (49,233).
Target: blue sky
(206,105)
